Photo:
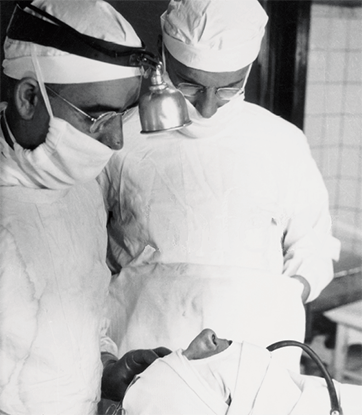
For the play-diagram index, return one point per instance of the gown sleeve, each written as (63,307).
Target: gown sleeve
(309,246)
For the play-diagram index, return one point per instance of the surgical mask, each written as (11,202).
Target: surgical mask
(67,156)
(220,371)
(226,117)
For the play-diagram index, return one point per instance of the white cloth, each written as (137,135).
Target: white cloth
(169,304)
(216,36)
(92,18)
(222,122)
(197,228)
(220,370)
(165,376)
(53,287)
(171,385)
(56,69)
(67,157)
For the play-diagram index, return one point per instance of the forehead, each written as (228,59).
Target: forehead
(113,93)
(183,73)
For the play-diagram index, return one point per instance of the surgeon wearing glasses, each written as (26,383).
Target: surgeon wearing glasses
(103,120)
(224,223)
(68,81)
(206,91)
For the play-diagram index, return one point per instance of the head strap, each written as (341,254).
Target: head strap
(27,27)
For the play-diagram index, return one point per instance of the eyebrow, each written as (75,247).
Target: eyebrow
(185,78)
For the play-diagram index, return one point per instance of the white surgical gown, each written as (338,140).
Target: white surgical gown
(53,286)
(206,232)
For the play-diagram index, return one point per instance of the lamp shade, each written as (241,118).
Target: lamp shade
(163,107)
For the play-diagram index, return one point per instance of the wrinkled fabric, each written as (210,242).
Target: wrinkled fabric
(53,287)
(193,397)
(217,36)
(67,157)
(220,370)
(169,304)
(173,385)
(213,227)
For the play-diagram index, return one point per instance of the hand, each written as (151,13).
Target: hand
(306,287)
(118,374)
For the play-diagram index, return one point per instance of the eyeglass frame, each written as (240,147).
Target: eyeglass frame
(94,126)
(239,91)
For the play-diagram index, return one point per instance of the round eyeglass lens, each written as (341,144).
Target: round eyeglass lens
(189,90)
(127,114)
(226,94)
(99,123)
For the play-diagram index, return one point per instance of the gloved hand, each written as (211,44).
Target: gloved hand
(118,374)
(306,287)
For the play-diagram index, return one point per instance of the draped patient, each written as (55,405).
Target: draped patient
(217,376)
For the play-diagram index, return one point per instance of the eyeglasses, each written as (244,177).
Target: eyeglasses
(99,122)
(223,93)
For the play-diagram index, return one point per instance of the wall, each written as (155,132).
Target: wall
(333,113)
(6,9)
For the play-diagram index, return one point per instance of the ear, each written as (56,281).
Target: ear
(26,97)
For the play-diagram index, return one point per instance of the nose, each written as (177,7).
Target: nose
(205,344)
(111,134)
(209,339)
(206,103)
(211,343)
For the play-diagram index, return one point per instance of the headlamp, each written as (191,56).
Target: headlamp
(162,108)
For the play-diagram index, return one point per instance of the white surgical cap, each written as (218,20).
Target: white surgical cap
(97,19)
(214,35)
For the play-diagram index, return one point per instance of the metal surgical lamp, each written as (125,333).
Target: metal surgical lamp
(162,108)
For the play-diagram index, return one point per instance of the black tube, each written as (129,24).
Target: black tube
(335,407)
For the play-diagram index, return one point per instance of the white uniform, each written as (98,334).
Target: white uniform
(207,231)
(53,286)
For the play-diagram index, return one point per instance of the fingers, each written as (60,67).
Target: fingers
(136,361)
(141,357)
(162,351)
(148,356)
(117,375)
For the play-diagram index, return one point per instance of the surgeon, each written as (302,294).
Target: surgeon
(213,376)
(69,88)
(224,223)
